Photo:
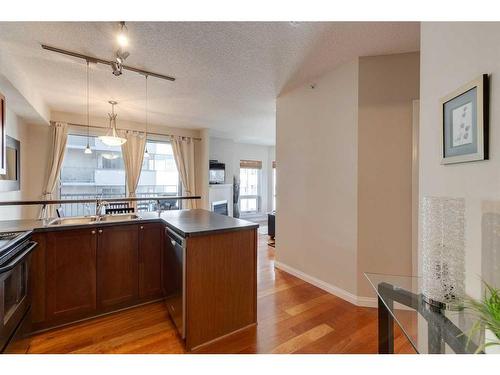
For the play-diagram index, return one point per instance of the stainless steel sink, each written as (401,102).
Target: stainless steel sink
(82,220)
(119,217)
(77,220)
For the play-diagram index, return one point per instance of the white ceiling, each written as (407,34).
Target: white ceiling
(228,73)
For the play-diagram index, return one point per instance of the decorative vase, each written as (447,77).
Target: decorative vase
(489,336)
(443,251)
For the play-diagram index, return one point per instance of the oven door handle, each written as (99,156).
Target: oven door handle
(19,258)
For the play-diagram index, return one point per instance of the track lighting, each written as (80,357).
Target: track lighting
(116,68)
(117,65)
(122,37)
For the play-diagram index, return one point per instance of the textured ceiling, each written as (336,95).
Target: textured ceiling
(228,73)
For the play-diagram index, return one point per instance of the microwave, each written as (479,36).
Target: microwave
(216,172)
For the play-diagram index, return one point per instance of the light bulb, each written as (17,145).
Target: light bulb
(122,37)
(87,150)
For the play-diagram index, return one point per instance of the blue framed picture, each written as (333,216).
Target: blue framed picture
(464,115)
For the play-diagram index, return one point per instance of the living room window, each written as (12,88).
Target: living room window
(250,171)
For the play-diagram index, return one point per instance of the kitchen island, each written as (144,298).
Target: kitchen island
(202,264)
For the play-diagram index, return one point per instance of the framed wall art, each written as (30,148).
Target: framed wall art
(464,120)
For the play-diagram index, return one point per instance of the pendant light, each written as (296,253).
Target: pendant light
(146,153)
(87,149)
(112,138)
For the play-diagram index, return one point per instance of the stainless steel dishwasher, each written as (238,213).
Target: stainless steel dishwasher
(175,256)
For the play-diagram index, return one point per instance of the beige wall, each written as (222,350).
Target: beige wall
(316,151)
(33,139)
(344,154)
(202,160)
(444,68)
(16,129)
(387,87)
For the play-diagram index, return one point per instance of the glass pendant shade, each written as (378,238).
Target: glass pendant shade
(88,150)
(112,138)
(110,156)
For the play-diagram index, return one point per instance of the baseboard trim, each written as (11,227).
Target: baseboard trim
(332,289)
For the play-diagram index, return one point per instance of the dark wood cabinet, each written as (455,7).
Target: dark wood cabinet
(70,274)
(80,273)
(117,266)
(150,260)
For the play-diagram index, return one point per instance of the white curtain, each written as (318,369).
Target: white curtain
(57,151)
(133,155)
(183,148)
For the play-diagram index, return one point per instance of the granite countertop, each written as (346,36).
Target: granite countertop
(187,223)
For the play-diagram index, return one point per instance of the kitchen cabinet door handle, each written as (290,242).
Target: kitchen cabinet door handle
(100,231)
(142,227)
(93,232)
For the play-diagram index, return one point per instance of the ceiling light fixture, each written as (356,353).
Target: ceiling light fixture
(110,156)
(87,149)
(117,65)
(98,60)
(122,37)
(112,138)
(146,153)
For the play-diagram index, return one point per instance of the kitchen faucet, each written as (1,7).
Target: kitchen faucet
(98,207)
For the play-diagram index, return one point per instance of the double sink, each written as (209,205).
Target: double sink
(82,220)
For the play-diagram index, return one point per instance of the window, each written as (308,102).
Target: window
(250,185)
(102,175)
(159,176)
(88,176)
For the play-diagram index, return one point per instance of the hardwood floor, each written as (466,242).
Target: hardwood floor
(293,317)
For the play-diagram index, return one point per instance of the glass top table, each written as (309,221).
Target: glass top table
(429,329)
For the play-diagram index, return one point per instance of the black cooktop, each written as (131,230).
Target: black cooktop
(9,241)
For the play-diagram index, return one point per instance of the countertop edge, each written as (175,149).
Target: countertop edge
(143,220)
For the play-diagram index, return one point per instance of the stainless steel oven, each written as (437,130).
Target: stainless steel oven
(15,296)
(175,257)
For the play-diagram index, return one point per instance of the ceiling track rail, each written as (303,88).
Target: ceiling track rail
(97,60)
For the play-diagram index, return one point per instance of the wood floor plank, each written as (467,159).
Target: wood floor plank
(293,317)
(302,340)
(300,308)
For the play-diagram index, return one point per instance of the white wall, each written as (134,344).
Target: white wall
(229,152)
(452,54)
(316,152)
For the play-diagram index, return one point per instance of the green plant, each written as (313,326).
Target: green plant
(488,312)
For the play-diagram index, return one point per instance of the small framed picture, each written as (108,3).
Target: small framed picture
(464,116)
